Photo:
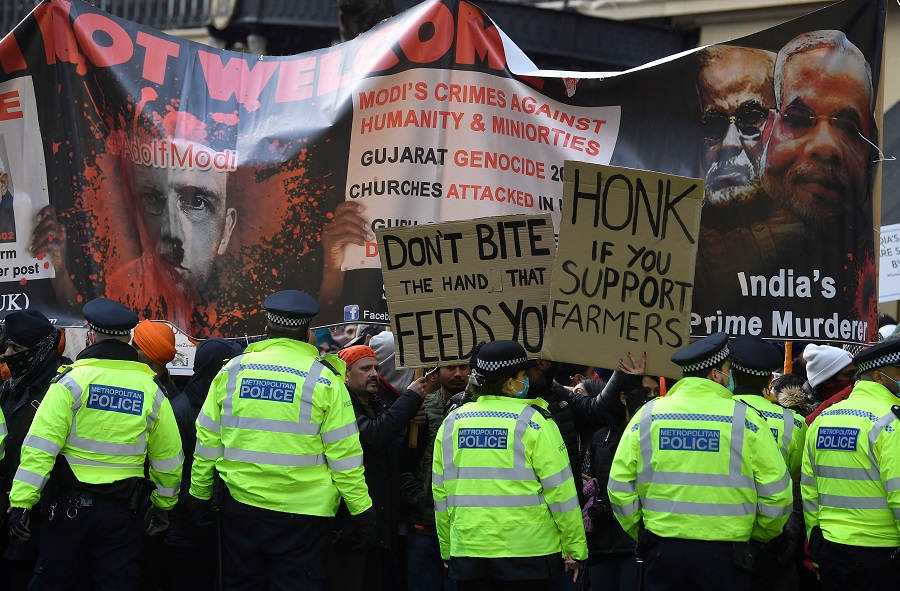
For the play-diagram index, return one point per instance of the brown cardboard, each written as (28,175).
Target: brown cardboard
(452,285)
(604,300)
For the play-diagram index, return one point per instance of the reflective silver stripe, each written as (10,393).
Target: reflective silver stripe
(485,473)
(807,480)
(773,488)
(210,453)
(440,506)
(275,459)
(710,509)
(847,502)
(875,470)
(106,447)
(843,473)
(83,462)
(646,442)
(208,424)
(306,394)
(345,464)
(29,477)
(565,506)
(892,485)
(447,446)
(492,501)
(788,434)
(153,416)
(773,512)
(74,389)
(622,487)
(269,425)
(557,479)
(36,442)
(737,440)
(625,510)
(170,464)
(437,479)
(896,514)
(344,432)
(698,479)
(810,506)
(3,430)
(232,370)
(167,492)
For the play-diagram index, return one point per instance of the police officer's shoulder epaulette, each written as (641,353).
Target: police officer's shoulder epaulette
(896,410)
(756,410)
(63,370)
(543,412)
(329,366)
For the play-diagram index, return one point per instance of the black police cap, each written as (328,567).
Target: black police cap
(879,355)
(754,356)
(703,353)
(290,307)
(109,317)
(500,358)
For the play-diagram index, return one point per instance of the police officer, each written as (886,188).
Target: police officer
(851,478)
(279,429)
(101,418)
(699,476)
(752,362)
(506,508)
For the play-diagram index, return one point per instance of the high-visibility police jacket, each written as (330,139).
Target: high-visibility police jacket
(3,433)
(698,465)
(105,417)
(788,428)
(502,483)
(279,428)
(851,470)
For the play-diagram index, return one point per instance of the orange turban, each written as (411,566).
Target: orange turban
(156,340)
(351,355)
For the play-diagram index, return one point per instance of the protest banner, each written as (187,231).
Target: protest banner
(889,264)
(188,182)
(452,285)
(624,272)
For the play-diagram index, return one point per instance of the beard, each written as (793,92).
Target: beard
(732,182)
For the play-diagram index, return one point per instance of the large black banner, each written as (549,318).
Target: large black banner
(188,182)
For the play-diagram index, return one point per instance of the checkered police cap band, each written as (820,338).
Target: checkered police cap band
(497,365)
(112,331)
(749,370)
(887,359)
(709,362)
(285,321)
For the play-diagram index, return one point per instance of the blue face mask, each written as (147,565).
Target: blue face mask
(524,391)
(730,385)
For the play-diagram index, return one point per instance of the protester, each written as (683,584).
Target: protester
(155,344)
(505,503)
(697,476)
(851,479)
(611,560)
(31,356)
(830,376)
(381,430)
(190,549)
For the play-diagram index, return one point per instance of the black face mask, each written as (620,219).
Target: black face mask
(19,363)
(31,360)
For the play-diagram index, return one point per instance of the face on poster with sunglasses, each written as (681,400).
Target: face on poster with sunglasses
(735,90)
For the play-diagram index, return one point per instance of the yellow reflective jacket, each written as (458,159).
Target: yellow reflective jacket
(3,433)
(279,427)
(502,483)
(697,465)
(106,417)
(788,428)
(851,470)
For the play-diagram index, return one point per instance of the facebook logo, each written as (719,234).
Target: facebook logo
(351,312)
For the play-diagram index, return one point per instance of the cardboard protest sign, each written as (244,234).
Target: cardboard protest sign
(624,271)
(452,285)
